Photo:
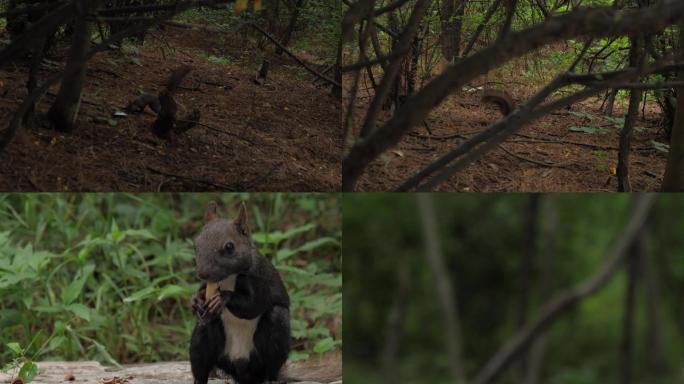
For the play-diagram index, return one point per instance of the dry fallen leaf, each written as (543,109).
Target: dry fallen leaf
(398,153)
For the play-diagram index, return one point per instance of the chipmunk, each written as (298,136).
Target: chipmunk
(502,99)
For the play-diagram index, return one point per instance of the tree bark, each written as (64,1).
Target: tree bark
(64,110)
(626,347)
(610,104)
(451,22)
(290,26)
(624,185)
(549,236)
(443,285)
(656,363)
(395,322)
(525,275)
(673,181)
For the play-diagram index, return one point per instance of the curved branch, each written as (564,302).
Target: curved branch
(568,298)
(596,22)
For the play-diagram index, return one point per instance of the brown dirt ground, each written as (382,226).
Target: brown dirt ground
(544,156)
(281,136)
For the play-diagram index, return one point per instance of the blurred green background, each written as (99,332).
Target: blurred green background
(394,327)
(109,276)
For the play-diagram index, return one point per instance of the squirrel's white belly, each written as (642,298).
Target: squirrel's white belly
(239,332)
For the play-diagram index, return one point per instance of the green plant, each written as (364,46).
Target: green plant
(108,276)
(22,365)
(602,162)
(219,59)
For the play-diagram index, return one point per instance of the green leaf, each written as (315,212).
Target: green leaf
(171,290)
(140,295)
(16,348)
(102,350)
(71,292)
(55,343)
(324,345)
(79,310)
(278,236)
(46,308)
(28,371)
(9,279)
(662,147)
(297,356)
(585,129)
(115,232)
(288,268)
(285,253)
(139,233)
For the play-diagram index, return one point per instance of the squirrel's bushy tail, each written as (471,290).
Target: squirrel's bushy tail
(501,99)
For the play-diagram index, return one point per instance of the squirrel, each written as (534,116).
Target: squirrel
(244,328)
(502,99)
(165,106)
(139,104)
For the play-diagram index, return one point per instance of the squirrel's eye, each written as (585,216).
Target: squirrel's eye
(229,247)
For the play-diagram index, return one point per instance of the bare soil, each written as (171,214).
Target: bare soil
(283,135)
(545,156)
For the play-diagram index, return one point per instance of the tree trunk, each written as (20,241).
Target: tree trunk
(529,245)
(290,26)
(632,113)
(446,14)
(64,110)
(37,51)
(458,28)
(673,181)
(656,363)
(443,285)
(395,322)
(626,348)
(549,235)
(413,66)
(610,105)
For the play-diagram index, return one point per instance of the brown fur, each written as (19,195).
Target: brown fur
(502,99)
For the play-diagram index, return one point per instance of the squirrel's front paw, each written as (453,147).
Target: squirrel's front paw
(198,304)
(216,304)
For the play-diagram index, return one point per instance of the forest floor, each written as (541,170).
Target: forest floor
(571,150)
(279,136)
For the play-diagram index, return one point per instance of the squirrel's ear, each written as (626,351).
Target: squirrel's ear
(240,220)
(210,213)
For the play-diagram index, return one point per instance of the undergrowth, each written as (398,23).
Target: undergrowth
(108,276)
